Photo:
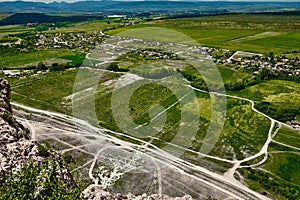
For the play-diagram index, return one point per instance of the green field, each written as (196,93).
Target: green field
(45,91)
(3,16)
(272,185)
(13,30)
(61,27)
(244,131)
(285,165)
(284,94)
(84,27)
(289,41)
(276,98)
(231,75)
(288,136)
(36,56)
(277,91)
(243,32)
(266,22)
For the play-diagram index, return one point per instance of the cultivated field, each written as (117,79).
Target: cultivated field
(243,32)
(255,142)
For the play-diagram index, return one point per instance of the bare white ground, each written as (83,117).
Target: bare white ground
(139,167)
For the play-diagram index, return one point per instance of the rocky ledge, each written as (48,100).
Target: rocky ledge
(18,151)
(15,146)
(95,192)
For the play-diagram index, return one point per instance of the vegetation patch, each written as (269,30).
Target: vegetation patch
(19,59)
(244,132)
(45,91)
(266,183)
(285,165)
(37,182)
(288,136)
(276,98)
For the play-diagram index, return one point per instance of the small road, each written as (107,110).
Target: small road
(264,150)
(232,56)
(82,128)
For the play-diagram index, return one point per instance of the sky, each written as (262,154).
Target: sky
(171,0)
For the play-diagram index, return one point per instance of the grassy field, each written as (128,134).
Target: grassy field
(3,16)
(276,98)
(243,137)
(244,131)
(288,136)
(84,26)
(243,32)
(13,29)
(231,75)
(285,165)
(205,37)
(288,41)
(283,93)
(45,91)
(270,91)
(39,55)
(280,173)
(239,22)
(256,40)
(270,184)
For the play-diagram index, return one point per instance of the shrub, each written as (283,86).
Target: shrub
(37,181)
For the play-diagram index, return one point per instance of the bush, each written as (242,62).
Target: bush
(115,67)
(56,67)
(42,66)
(277,112)
(259,180)
(37,181)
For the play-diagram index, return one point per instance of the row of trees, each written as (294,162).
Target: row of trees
(53,67)
(277,112)
(264,74)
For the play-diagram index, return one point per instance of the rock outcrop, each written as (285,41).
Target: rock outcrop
(17,150)
(95,192)
(15,146)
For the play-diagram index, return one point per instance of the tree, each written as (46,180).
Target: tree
(113,67)
(42,66)
(56,67)
(265,74)
(2,75)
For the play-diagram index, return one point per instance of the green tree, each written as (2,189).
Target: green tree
(113,67)
(56,67)
(42,66)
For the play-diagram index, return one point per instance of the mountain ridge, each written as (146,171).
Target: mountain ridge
(138,6)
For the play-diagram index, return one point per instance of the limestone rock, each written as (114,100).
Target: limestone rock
(95,192)
(16,148)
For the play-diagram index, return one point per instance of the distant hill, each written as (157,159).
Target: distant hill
(142,6)
(24,18)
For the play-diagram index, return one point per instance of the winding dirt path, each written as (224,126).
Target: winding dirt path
(220,183)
